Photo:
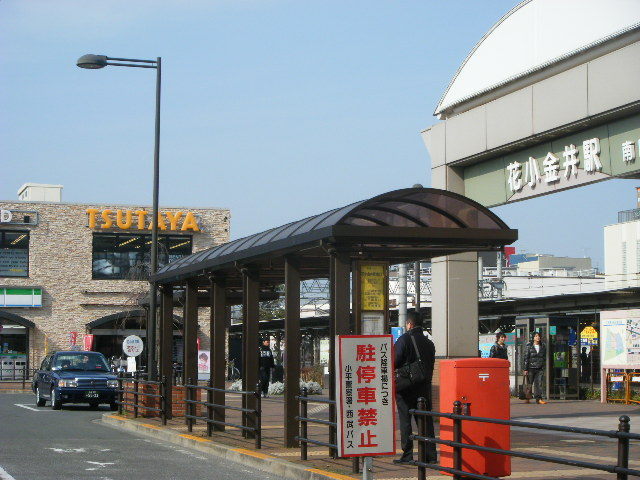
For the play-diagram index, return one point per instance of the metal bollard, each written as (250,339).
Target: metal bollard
(135,395)
(209,408)
(120,394)
(333,434)
(623,446)
(457,437)
(257,424)
(163,399)
(303,424)
(421,420)
(189,405)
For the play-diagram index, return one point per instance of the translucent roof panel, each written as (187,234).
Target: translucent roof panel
(407,208)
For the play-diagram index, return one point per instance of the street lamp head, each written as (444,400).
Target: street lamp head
(92,61)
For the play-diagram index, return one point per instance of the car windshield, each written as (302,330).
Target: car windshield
(93,362)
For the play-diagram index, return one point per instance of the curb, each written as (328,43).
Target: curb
(251,458)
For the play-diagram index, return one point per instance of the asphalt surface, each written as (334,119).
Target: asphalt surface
(71,444)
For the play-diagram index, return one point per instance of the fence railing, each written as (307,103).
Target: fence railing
(139,396)
(216,417)
(15,374)
(304,421)
(623,435)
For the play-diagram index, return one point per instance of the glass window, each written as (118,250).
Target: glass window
(128,256)
(94,362)
(14,254)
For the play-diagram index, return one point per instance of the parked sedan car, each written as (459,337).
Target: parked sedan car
(75,377)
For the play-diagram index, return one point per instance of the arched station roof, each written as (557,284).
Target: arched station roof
(15,319)
(533,35)
(412,223)
(110,321)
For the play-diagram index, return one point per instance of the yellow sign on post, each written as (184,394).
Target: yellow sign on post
(372,283)
(589,333)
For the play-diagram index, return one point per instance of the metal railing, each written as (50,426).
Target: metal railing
(136,393)
(623,435)
(304,420)
(20,375)
(251,418)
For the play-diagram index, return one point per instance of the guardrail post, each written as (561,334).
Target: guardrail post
(258,417)
(457,437)
(421,420)
(135,395)
(120,394)
(623,446)
(303,424)
(189,405)
(209,409)
(333,434)
(163,399)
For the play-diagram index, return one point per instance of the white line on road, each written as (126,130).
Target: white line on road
(28,407)
(4,475)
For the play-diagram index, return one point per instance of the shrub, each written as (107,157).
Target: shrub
(276,388)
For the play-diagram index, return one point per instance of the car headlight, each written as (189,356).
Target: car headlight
(70,383)
(112,383)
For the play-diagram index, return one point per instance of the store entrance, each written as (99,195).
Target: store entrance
(560,335)
(14,346)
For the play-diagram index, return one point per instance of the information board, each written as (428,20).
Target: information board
(365,394)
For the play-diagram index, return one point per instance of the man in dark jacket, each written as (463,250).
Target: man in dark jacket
(405,354)
(533,365)
(499,349)
(266,364)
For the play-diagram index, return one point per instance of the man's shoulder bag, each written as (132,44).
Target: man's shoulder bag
(412,374)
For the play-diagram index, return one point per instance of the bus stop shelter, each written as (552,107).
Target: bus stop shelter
(396,227)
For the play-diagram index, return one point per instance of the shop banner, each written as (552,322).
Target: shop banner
(365,395)
(88,342)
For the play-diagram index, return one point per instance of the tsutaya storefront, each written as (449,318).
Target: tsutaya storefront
(548,99)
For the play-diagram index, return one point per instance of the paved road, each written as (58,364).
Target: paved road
(42,444)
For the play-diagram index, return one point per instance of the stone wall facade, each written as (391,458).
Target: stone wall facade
(60,262)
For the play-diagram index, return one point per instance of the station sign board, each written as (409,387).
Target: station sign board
(366,395)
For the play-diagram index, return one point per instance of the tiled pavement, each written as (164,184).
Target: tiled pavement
(571,446)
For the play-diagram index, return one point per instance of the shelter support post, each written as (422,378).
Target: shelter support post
(166,344)
(218,335)
(250,341)
(190,364)
(340,269)
(292,359)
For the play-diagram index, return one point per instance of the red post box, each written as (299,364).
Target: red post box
(484,384)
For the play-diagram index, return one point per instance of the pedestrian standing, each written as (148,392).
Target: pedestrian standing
(499,349)
(266,364)
(534,362)
(412,347)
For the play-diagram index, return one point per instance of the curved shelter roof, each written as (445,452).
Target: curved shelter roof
(399,226)
(12,318)
(536,34)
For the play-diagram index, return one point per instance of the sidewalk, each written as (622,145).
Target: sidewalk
(570,446)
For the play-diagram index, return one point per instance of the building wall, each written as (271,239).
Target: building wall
(622,254)
(60,261)
(548,261)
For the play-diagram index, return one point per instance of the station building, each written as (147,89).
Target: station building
(72,274)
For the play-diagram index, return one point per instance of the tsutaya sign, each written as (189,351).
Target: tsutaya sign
(365,393)
(599,153)
(141,220)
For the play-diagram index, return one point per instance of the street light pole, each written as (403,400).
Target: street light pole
(101,61)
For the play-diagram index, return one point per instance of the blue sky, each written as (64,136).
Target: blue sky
(276,109)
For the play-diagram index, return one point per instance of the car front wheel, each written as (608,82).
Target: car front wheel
(39,400)
(56,403)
